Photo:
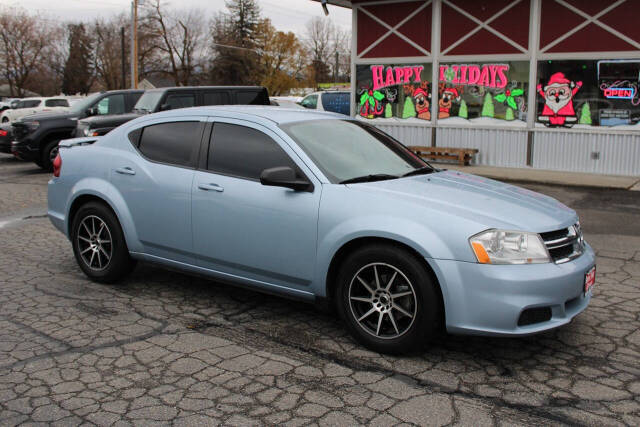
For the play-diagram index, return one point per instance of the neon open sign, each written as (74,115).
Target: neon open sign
(619,92)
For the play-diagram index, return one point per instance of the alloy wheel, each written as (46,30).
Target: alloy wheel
(94,242)
(382,300)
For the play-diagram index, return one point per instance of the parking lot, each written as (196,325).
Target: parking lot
(164,347)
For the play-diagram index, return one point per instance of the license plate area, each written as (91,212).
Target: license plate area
(589,279)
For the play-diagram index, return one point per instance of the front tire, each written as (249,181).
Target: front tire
(99,245)
(387,299)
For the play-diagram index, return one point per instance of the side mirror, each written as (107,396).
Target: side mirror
(93,111)
(165,107)
(284,176)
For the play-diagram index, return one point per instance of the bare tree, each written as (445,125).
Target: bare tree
(181,38)
(319,33)
(23,39)
(108,51)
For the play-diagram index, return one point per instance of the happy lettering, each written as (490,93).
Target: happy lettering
(392,76)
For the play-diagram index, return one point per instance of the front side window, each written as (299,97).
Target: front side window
(31,103)
(148,102)
(483,94)
(588,93)
(176,101)
(345,149)
(310,102)
(216,98)
(113,104)
(244,152)
(174,142)
(388,91)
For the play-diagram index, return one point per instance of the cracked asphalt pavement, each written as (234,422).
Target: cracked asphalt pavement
(167,348)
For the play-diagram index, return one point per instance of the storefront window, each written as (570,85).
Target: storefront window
(483,93)
(589,93)
(400,92)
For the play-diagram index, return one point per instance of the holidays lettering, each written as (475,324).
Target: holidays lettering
(488,75)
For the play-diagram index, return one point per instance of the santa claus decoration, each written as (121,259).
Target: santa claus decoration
(558,95)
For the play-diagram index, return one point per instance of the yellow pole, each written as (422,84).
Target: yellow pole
(135,44)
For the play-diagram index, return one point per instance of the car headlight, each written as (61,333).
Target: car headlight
(509,247)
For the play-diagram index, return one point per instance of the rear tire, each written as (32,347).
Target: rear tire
(99,245)
(46,159)
(387,299)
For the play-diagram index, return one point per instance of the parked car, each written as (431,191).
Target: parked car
(173,98)
(37,136)
(321,207)
(6,135)
(29,106)
(334,101)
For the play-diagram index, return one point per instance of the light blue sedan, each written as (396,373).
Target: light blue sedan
(319,207)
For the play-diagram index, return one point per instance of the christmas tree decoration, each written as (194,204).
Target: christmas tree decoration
(509,115)
(487,106)
(408,110)
(463,112)
(509,96)
(388,112)
(585,114)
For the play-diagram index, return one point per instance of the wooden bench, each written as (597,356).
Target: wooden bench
(462,155)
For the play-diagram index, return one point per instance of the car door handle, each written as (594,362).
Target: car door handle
(125,171)
(211,187)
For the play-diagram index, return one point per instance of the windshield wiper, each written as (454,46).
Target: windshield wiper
(424,170)
(369,178)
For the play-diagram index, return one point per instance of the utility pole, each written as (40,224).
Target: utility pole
(134,43)
(335,69)
(123,59)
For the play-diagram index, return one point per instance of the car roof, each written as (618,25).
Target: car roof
(275,114)
(189,88)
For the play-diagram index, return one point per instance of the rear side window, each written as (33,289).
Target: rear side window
(244,152)
(56,103)
(176,101)
(336,102)
(252,97)
(216,98)
(174,142)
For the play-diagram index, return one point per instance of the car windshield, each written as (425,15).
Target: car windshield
(352,151)
(148,102)
(82,105)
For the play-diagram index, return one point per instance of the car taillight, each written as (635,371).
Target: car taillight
(3,132)
(57,165)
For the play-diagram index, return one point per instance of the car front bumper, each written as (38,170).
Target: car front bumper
(484,299)
(23,150)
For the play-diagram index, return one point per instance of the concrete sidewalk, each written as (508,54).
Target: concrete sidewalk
(528,174)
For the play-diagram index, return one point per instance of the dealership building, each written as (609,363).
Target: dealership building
(547,84)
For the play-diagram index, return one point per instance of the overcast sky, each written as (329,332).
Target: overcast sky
(287,15)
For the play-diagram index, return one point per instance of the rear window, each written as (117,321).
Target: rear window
(336,102)
(252,97)
(56,103)
(174,142)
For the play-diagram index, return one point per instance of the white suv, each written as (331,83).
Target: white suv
(28,106)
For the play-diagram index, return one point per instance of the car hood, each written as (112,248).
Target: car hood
(492,204)
(49,116)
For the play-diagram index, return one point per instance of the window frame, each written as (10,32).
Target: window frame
(195,156)
(300,167)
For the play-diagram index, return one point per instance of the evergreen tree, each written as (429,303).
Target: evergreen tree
(408,110)
(388,111)
(78,72)
(487,106)
(509,114)
(463,111)
(585,114)
(245,17)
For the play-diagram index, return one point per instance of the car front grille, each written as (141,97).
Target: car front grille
(565,244)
